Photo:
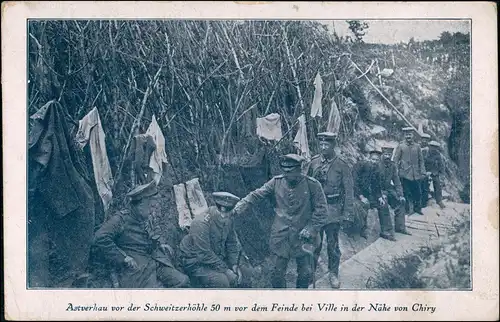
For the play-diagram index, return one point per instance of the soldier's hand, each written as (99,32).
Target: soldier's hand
(402,199)
(381,201)
(232,277)
(167,249)
(131,263)
(364,200)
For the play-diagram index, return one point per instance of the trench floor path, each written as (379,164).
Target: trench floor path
(360,259)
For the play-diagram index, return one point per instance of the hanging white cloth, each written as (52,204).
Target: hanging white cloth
(90,129)
(196,199)
(185,218)
(316,108)
(300,140)
(333,119)
(159,156)
(269,127)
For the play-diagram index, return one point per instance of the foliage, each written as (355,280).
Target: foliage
(358,28)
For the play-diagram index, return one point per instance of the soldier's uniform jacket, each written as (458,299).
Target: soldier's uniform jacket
(390,177)
(296,208)
(211,242)
(336,179)
(410,161)
(123,235)
(434,163)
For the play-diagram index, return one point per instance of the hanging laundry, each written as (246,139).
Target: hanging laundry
(197,202)
(142,148)
(90,130)
(185,218)
(333,119)
(316,108)
(159,155)
(300,140)
(269,127)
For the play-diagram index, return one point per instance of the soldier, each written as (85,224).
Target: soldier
(410,163)
(392,190)
(371,178)
(209,253)
(424,184)
(142,257)
(300,207)
(335,176)
(435,170)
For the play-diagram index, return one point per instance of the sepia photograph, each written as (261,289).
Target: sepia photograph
(250,161)
(249,154)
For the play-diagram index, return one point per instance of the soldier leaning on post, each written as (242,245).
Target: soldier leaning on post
(410,162)
(209,253)
(335,176)
(435,170)
(142,258)
(300,208)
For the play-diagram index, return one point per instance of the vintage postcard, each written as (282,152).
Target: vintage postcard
(250,160)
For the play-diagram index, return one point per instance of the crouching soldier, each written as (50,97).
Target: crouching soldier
(141,257)
(209,253)
(300,208)
(335,176)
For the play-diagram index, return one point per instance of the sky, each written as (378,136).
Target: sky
(395,31)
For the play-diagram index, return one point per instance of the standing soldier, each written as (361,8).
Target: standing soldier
(424,185)
(300,207)
(392,190)
(370,191)
(410,162)
(127,240)
(435,166)
(335,176)
(209,253)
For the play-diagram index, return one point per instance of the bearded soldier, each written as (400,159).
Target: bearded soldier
(300,208)
(209,253)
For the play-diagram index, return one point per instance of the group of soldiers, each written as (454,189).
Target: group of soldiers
(310,201)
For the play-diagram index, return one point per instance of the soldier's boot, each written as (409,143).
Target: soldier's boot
(363,234)
(441,204)
(403,231)
(388,237)
(334,280)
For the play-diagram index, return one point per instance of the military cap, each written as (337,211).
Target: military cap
(373,148)
(143,191)
(434,143)
(225,199)
(425,135)
(327,136)
(387,149)
(291,161)
(407,129)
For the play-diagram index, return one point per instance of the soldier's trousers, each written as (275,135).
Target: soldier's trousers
(333,249)
(304,271)
(206,277)
(386,226)
(170,277)
(425,188)
(413,194)
(438,192)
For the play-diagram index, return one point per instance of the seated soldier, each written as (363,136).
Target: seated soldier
(142,259)
(209,253)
